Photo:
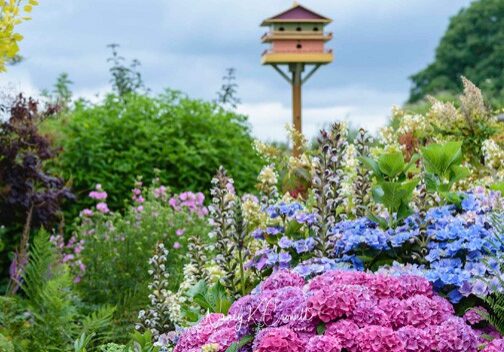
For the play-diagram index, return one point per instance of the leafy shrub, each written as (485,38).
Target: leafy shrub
(393,189)
(119,139)
(117,247)
(30,196)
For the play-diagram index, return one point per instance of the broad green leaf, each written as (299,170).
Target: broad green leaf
(431,182)
(458,173)
(391,164)
(439,158)
(393,194)
(372,165)
(498,186)
(382,222)
(408,188)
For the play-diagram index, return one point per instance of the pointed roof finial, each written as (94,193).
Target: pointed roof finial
(295,3)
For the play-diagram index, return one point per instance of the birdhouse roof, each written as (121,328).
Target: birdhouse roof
(297,13)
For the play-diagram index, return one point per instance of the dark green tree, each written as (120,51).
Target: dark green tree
(473,46)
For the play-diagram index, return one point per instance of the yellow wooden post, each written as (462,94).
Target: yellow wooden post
(296,70)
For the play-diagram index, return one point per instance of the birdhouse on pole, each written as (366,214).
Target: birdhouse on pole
(297,39)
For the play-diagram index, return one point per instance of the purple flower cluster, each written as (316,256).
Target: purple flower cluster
(190,201)
(358,312)
(70,254)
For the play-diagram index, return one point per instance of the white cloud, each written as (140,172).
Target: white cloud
(371,112)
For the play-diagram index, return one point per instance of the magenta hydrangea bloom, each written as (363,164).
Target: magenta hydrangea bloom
(393,307)
(324,343)
(374,338)
(282,278)
(474,315)
(362,312)
(345,331)
(496,345)
(421,312)
(278,340)
(415,340)
(415,285)
(338,277)
(225,333)
(333,302)
(369,313)
(454,335)
(384,286)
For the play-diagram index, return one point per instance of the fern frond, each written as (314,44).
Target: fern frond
(42,256)
(95,325)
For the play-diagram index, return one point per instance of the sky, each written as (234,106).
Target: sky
(188,44)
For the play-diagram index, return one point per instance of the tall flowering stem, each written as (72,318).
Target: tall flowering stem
(164,310)
(267,185)
(197,258)
(229,230)
(327,178)
(362,184)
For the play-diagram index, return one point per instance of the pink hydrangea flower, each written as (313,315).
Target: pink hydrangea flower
(474,315)
(415,340)
(454,335)
(278,340)
(176,245)
(374,338)
(345,331)
(282,278)
(369,313)
(102,208)
(324,343)
(335,302)
(363,312)
(496,345)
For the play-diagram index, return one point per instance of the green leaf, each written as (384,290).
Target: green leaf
(382,222)
(459,173)
(498,186)
(235,346)
(372,165)
(439,158)
(321,329)
(391,164)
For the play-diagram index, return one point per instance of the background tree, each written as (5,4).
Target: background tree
(125,79)
(473,46)
(229,89)
(11,15)
(61,93)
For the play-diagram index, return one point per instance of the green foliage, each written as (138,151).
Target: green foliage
(117,251)
(112,347)
(495,301)
(212,299)
(5,345)
(48,317)
(125,79)
(474,33)
(235,346)
(393,188)
(142,343)
(443,168)
(113,142)
(227,96)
